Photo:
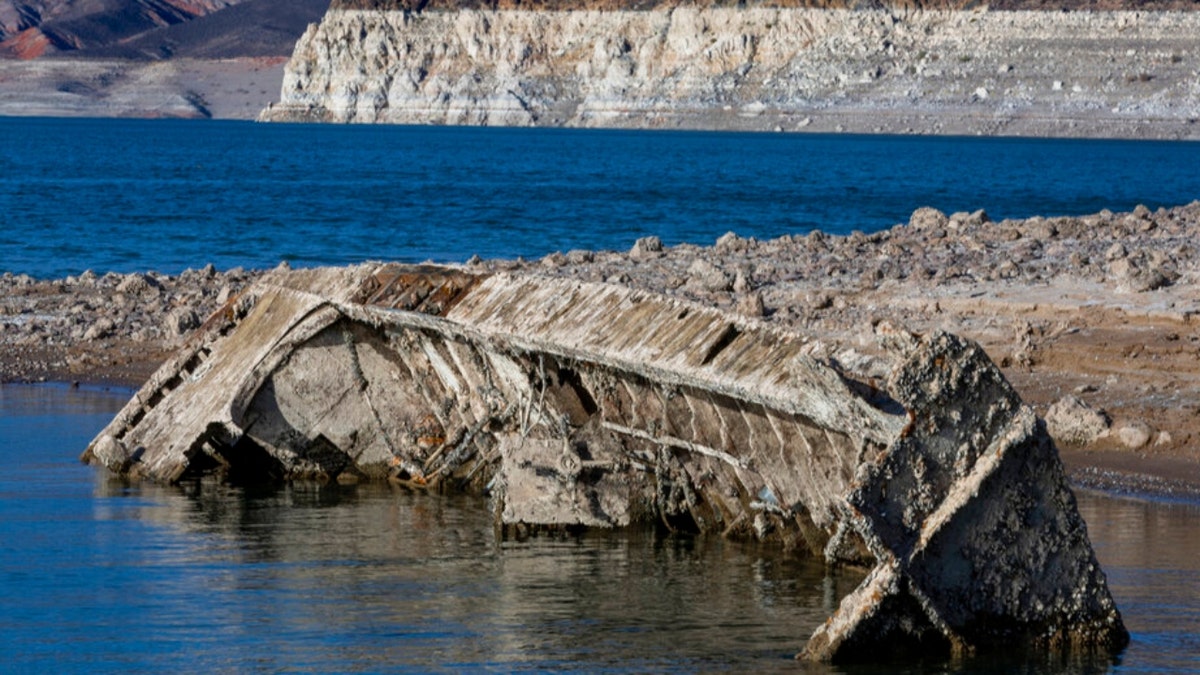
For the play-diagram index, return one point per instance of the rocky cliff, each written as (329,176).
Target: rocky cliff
(788,68)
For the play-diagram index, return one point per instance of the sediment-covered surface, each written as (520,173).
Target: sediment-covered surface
(585,404)
(233,88)
(896,70)
(110,328)
(1093,319)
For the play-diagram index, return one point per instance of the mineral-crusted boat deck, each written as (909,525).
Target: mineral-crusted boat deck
(576,404)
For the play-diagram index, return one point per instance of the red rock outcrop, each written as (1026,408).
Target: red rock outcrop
(27,44)
(29,29)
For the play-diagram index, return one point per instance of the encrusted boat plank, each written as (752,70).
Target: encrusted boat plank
(592,405)
(621,341)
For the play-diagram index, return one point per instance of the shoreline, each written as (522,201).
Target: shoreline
(1095,319)
(183,88)
(791,69)
(1021,73)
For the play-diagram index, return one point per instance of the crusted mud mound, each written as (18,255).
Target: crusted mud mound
(579,404)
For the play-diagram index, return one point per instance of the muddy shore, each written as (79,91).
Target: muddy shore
(1095,319)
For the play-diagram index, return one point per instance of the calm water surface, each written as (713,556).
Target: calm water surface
(132,195)
(98,575)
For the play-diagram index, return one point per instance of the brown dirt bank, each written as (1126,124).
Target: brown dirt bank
(1096,319)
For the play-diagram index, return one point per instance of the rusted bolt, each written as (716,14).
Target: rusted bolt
(569,465)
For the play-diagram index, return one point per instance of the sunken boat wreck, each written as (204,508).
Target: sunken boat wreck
(577,404)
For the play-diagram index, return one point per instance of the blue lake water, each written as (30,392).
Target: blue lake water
(97,575)
(133,195)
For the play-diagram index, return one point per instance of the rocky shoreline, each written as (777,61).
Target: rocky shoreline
(1094,319)
(110,329)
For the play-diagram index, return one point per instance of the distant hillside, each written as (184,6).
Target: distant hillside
(154,29)
(250,28)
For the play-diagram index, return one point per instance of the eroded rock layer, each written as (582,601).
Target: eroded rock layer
(1079,73)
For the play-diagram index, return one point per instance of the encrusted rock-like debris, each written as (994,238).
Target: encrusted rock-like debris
(592,405)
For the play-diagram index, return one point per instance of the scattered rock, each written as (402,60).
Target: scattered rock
(1007,270)
(1071,421)
(706,276)
(138,284)
(977,218)
(730,243)
(180,321)
(1023,346)
(580,257)
(751,305)
(1133,274)
(741,283)
(555,259)
(1039,229)
(646,247)
(99,330)
(819,301)
(93,329)
(927,218)
(1135,434)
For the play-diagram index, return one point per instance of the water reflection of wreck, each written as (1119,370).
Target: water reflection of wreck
(594,405)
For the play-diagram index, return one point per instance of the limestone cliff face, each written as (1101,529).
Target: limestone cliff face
(751,68)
